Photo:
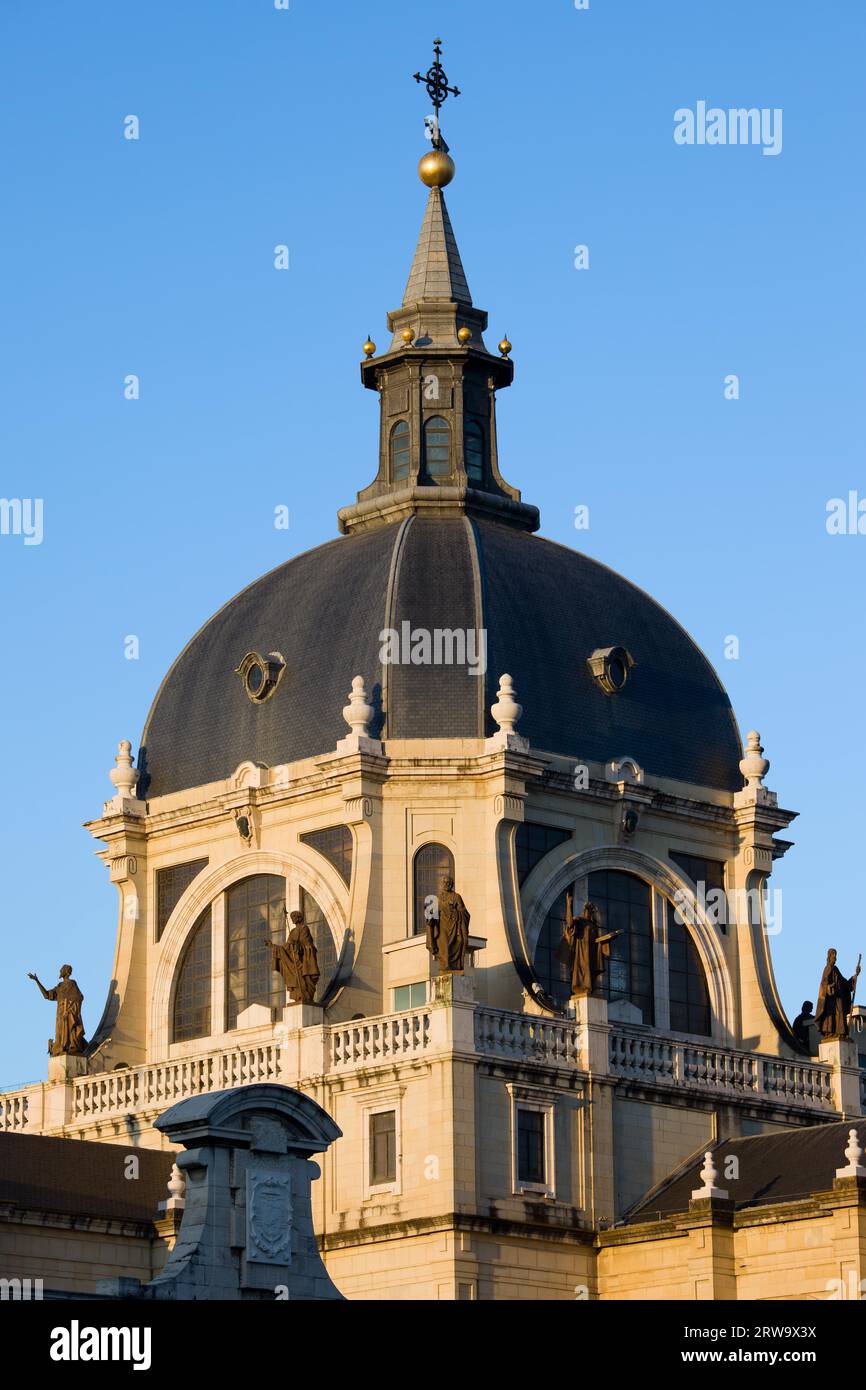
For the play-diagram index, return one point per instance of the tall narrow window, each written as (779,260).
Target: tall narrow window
(400,437)
(549,961)
(255,916)
(690,1000)
(473,451)
(531,1167)
(193,987)
(383,1147)
(437,447)
(432,864)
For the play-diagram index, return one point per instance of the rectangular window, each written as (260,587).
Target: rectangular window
(410,996)
(383,1148)
(530,1147)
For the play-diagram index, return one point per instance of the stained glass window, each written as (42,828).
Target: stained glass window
(400,437)
(335,844)
(690,1000)
(255,915)
(171,884)
(533,843)
(192,993)
(432,864)
(437,447)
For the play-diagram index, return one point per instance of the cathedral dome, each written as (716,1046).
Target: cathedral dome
(545,610)
(439,543)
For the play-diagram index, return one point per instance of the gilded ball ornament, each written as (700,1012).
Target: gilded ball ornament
(464,335)
(408,335)
(369,348)
(505,347)
(436,169)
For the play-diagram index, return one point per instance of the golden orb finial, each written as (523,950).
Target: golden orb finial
(436,169)
(505,347)
(369,347)
(464,334)
(408,336)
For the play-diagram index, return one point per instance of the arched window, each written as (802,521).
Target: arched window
(473,451)
(624,904)
(690,999)
(323,938)
(255,915)
(400,437)
(432,864)
(193,988)
(437,447)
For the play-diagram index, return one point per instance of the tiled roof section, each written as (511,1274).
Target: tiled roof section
(544,608)
(74,1177)
(435,591)
(783,1167)
(437,271)
(323,611)
(547,608)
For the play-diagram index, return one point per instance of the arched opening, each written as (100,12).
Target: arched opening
(625,905)
(255,916)
(437,447)
(473,451)
(432,864)
(191,1017)
(400,439)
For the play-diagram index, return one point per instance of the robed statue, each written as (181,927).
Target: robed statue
(448,930)
(297,961)
(584,948)
(835,997)
(68,1029)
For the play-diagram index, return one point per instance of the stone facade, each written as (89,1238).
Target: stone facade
(489,1131)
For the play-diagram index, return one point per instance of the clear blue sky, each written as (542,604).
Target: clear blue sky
(155,257)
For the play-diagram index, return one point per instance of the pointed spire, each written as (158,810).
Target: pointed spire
(437,271)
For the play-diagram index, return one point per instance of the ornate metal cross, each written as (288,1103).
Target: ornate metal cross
(436,81)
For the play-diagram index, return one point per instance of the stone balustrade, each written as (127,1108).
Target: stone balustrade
(468,1029)
(155,1087)
(14,1107)
(369,1042)
(527,1037)
(663,1061)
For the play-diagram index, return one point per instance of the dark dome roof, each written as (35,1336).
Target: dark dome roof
(545,609)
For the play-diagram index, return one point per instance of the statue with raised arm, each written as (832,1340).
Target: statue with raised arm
(835,997)
(585,948)
(69,1029)
(297,960)
(448,931)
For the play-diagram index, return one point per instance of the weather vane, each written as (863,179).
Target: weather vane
(436,81)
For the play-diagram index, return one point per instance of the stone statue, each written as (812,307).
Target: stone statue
(69,1029)
(297,961)
(585,948)
(835,997)
(448,933)
(803,1025)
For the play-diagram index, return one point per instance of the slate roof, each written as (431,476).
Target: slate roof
(787,1166)
(437,270)
(545,609)
(77,1178)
